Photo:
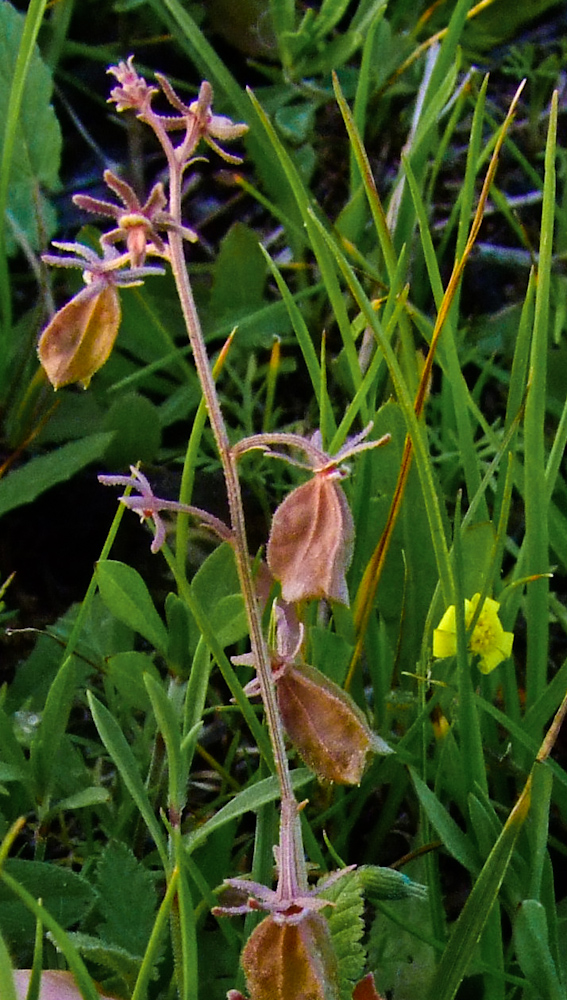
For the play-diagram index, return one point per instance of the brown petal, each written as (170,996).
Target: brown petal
(80,337)
(325,725)
(366,989)
(284,961)
(310,545)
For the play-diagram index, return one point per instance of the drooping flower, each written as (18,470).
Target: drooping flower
(80,337)
(311,540)
(488,639)
(291,961)
(325,725)
(312,535)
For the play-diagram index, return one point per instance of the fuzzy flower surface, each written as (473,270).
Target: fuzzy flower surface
(488,639)
(312,535)
(80,337)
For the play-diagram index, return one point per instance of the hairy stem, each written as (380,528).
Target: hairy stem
(292,864)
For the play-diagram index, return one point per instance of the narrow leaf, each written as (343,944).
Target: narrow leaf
(115,742)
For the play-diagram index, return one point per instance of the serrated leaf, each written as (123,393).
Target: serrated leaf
(347,927)
(66,895)
(125,888)
(126,595)
(111,957)
(37,146)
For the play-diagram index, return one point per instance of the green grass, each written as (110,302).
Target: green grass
(135,773)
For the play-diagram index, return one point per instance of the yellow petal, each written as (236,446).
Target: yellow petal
(444,643)
(445,635)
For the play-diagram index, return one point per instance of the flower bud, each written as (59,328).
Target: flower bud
(325,725)
(311,540)
(291,961)
(81,336)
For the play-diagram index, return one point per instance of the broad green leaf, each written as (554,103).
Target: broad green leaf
(137,432)
(455,841)
(127,597)
(93,796)
(13,756)
(37,139)
(61,939)
(169,726)
(40,473)
(331,653)
(126,671)
(178,628)
(7,988)
(239,274)
(217,589)
(402,949)
(67,896)
(48,737)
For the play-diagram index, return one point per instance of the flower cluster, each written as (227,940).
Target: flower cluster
(80,337)
(195,119)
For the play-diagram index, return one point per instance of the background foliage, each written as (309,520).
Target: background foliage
(338,236)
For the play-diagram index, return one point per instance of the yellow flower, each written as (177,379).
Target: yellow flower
(488,639)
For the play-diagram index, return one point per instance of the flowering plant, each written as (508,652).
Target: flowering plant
(327,676)
(487,640)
